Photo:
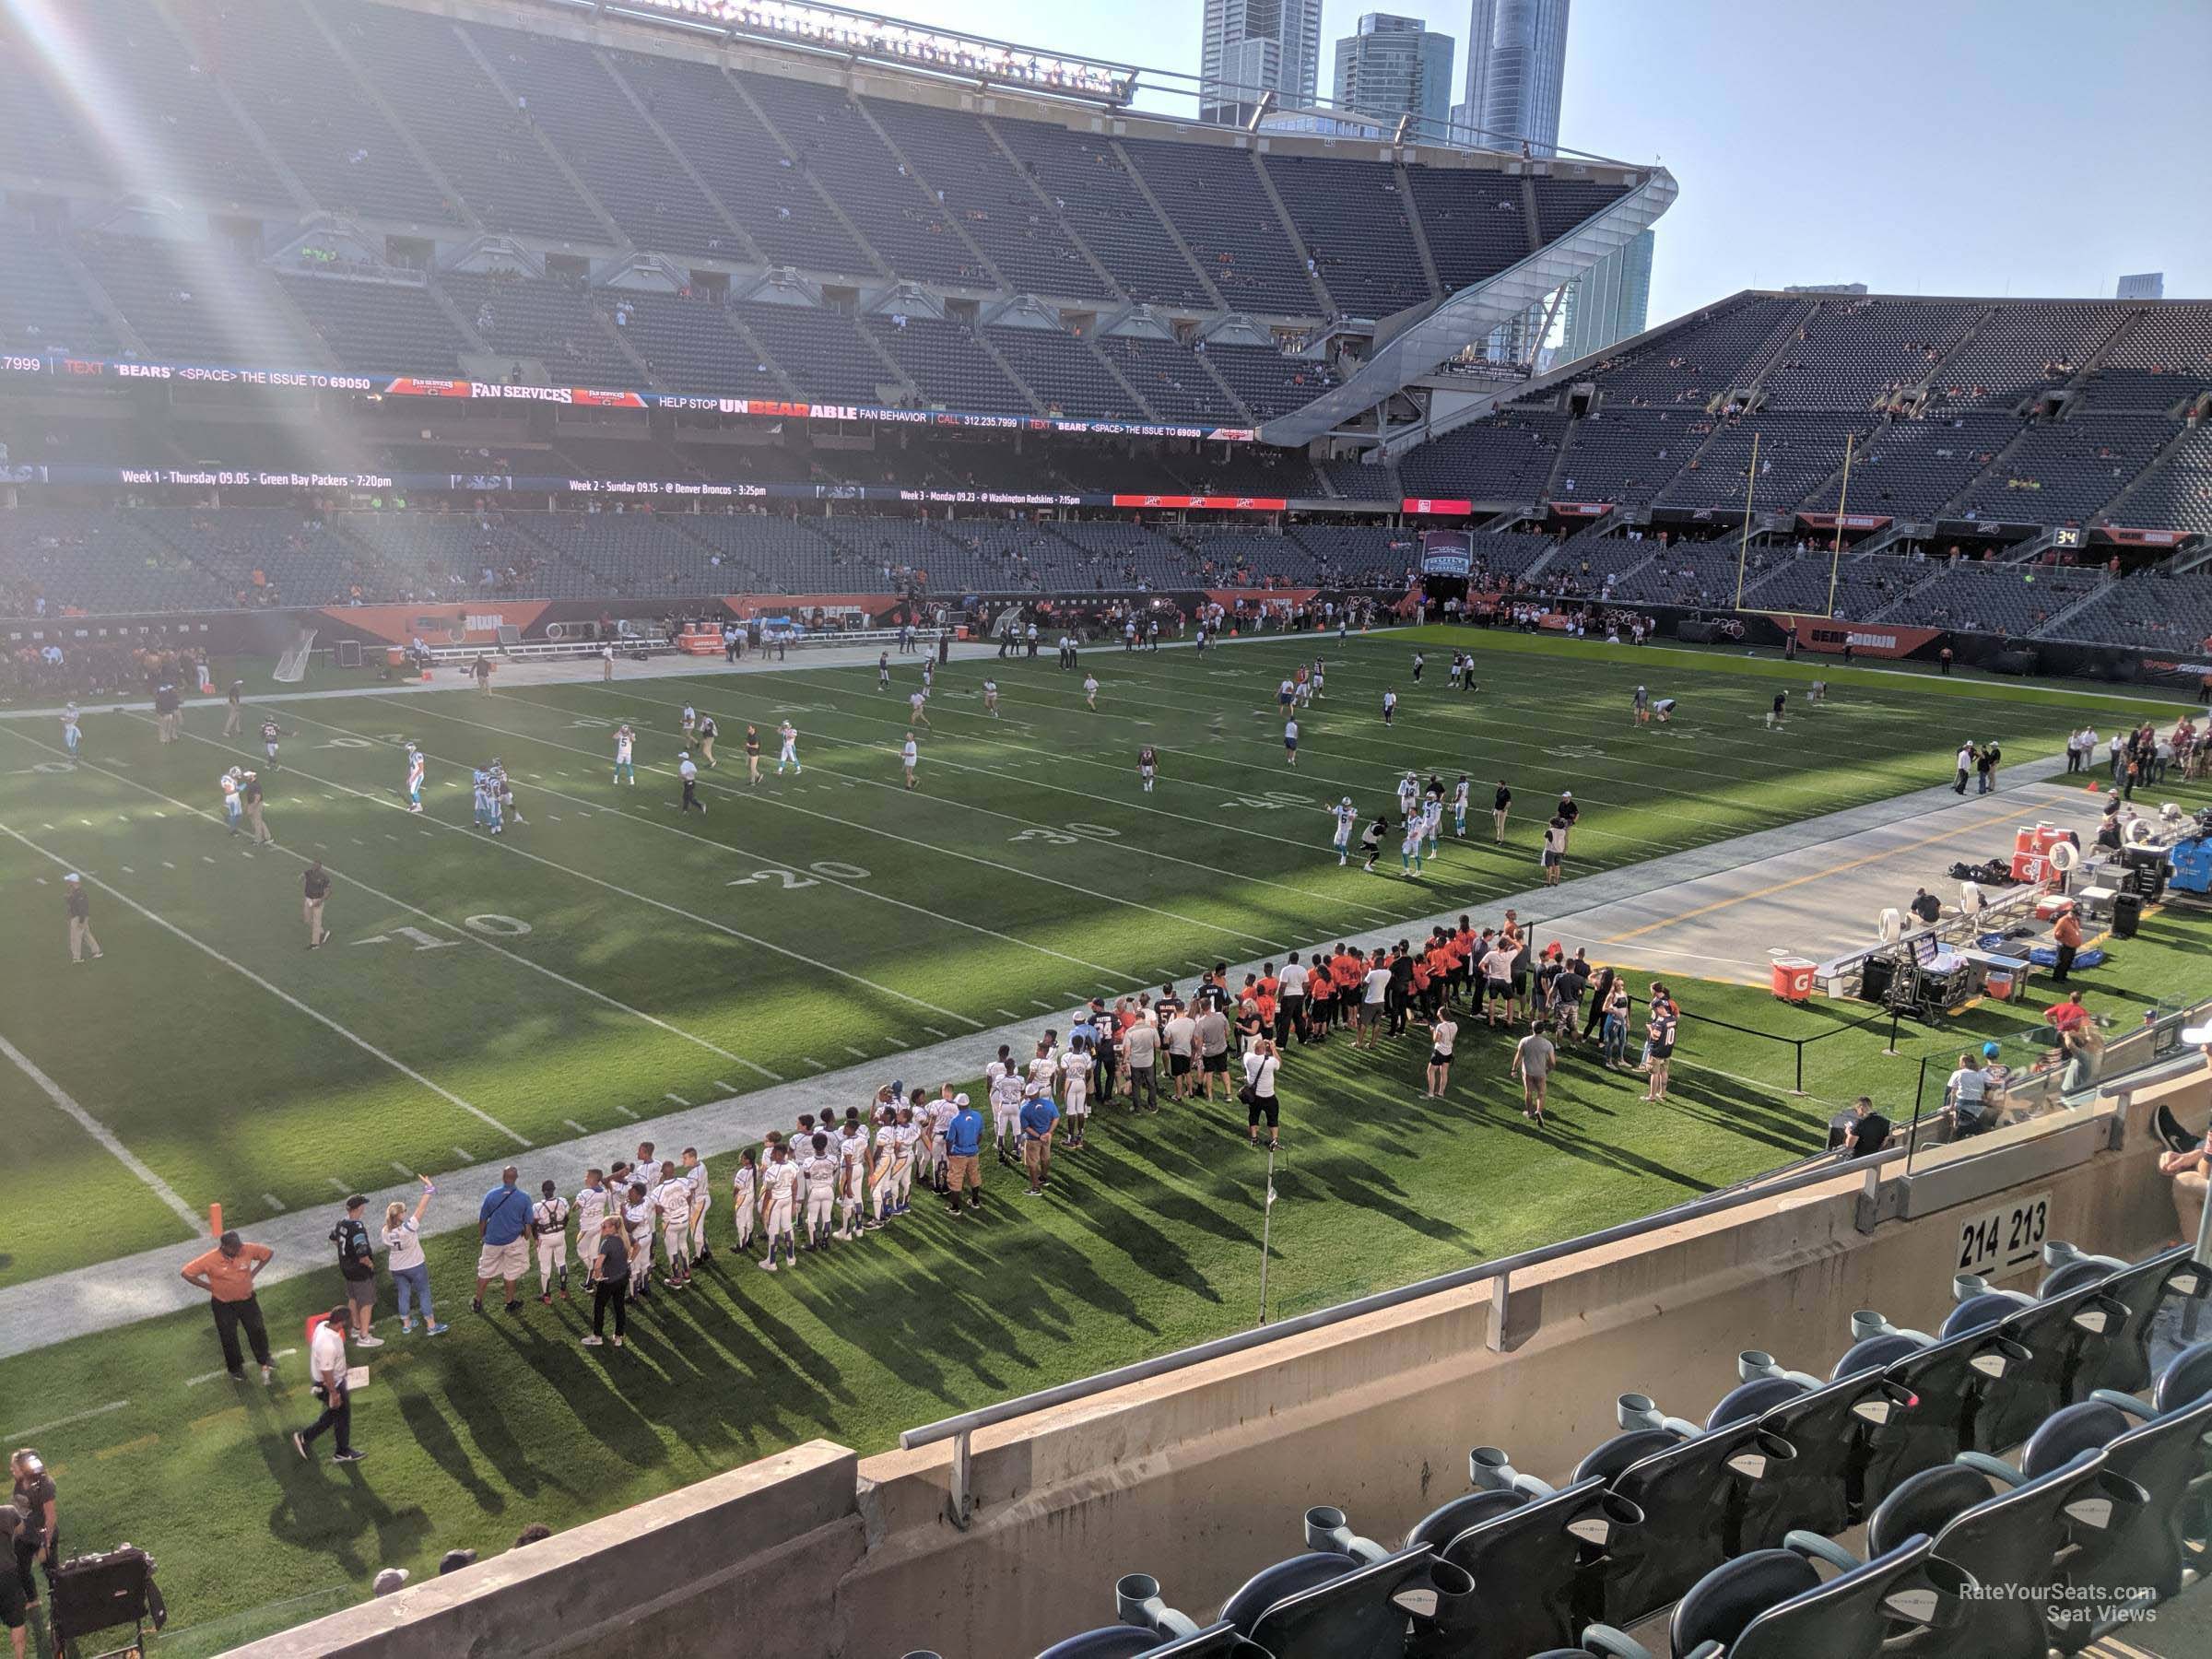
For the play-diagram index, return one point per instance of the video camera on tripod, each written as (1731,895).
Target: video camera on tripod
(99,1592)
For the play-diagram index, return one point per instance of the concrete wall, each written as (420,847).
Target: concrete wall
(701,1570)
(1203,1478)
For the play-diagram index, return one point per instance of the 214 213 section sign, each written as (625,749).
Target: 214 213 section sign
(2009,1236)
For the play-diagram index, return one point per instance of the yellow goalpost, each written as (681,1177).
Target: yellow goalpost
(1835,557)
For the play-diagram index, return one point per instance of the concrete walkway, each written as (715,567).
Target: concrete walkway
(1733,899)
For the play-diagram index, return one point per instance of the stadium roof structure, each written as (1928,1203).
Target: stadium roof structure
(810,158)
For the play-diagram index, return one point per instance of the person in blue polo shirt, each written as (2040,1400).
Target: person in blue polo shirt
(963,1140)
(502,1223)
(1038,1116)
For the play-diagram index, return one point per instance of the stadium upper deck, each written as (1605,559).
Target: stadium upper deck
(2039,412)
(343,186)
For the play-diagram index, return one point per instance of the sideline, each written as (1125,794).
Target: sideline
(102,1296)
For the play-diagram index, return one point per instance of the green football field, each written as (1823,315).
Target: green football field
(611,954)
(587,968)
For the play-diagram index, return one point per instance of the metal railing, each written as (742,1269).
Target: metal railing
(1497,1274)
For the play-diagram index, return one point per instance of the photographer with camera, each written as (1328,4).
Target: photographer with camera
(37,1536)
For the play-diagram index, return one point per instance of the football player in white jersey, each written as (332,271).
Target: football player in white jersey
(1090,690)
(695,1172)
(1074,1085)
(906,1137)
(850,1147)
(550,1240)
(788,755)
(1346,816)
(415,771)
(821,1172)
(1433,821)
(744,1196)
(909,757)
(71,734)
(638,1216)
(1409,794)
(1044,1065)
(673,1199)
(1459,807)
(1005,1114)
(990,698)
(778,1200)
(917,712)
(690,723)
(626,743)
(232,803)
(1409,848)
(942,1110)
(590,1207)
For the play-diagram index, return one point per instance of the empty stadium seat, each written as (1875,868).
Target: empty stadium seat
(1341,1599)
(1772,1603)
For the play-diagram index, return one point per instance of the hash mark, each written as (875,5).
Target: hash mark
(334,1182)
(857,1053)
(813,1062)
(676,1097)
(933,1030)
(274,1202)
(404,1172)
(1040,1002)
(572,1123)
(465,1154)
(627,1112)
(723,1086)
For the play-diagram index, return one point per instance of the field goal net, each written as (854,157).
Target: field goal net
(291,666)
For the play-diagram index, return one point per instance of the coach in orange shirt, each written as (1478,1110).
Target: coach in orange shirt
(226,1273)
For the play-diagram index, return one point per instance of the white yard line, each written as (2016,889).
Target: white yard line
(1088,796)
(211,1376)
(847,886)
(278,991)
(17,1435)
(471,933)
(508,846)
(99,1132)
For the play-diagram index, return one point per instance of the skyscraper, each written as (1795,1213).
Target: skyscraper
(1255,46)
(1516,65)
(1392,67)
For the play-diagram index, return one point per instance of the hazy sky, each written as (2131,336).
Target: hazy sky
(1933,146)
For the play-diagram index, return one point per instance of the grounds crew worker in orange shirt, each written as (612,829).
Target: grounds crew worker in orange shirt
(227,1274)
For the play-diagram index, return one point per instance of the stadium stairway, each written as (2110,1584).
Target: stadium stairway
(908,167)
(1167,223)
(1045,202)
(1328,302)
(714,198)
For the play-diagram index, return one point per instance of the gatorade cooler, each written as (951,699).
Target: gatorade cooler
(1999,987)
(1793,979)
